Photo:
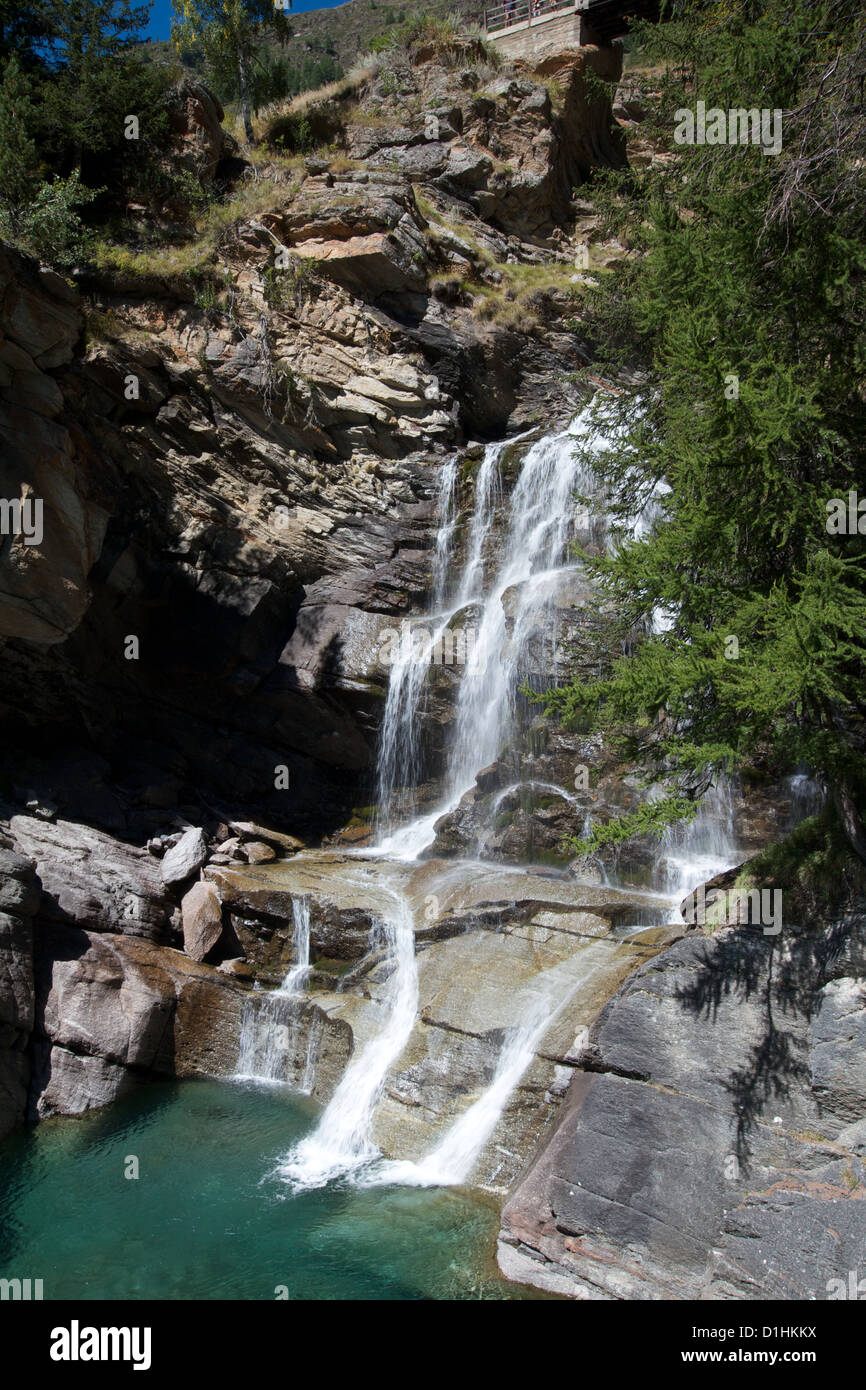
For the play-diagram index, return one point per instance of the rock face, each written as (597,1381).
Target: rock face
(703,1150)
(46,556)
(116,1010)
(237,474)
(93,999)
(196,119)
(95,881)
(19,901)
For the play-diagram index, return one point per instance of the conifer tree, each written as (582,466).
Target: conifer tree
(741,318)
(96,76)
(19,162)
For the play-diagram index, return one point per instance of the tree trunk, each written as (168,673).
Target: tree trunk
(243,83)
(850,817)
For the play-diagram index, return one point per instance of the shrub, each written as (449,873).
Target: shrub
(49,226)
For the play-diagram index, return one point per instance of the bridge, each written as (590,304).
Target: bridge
(533,28)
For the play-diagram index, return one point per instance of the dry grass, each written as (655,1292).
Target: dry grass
(250,199)
(464,231)
(342,164)
(523,298)
(360,75)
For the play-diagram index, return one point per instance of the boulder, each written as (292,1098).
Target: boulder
(202,920)
(196,120)
(93,880)
(104,1010)
(468,167)
(257,852)
(245,830)
(185,858)
(116,1010)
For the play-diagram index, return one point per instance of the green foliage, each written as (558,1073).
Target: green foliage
(19,163)
(293,133)
(449,35)
(23,31)
(743,313)
(232,34)
(652,818)
(94,79)
(74,77)
(290,285)
(813,866)
(49,226)
(272,78)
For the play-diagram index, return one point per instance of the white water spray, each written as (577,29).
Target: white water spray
(297,977)
(529,566)
(341,1142)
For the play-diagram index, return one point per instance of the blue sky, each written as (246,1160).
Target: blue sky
(160,14)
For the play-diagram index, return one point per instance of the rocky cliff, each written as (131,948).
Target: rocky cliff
(712,1139)
(234,444)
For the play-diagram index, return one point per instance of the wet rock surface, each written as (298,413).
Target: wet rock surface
(701,1151)
(487,941)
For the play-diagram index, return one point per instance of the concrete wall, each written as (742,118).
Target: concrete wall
(545,36)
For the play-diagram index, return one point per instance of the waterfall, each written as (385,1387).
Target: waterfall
(266,1044)
(297,976)
(314,1042)
(399,744)
(488,490)
(696,851)
(341,1142)
(507,578)
(528,565)
(268,1022)
(450,1162)
(446,516)
(806,796)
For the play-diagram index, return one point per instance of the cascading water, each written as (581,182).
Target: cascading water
(516,566)
(341,1142)
(694,852)
(451,1161)
(265,1038)
(269,1019)
(517,604)
(446,513)
(297,976)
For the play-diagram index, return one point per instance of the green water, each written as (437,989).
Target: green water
(205,1220)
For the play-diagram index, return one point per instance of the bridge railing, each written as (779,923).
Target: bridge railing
(510,12)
